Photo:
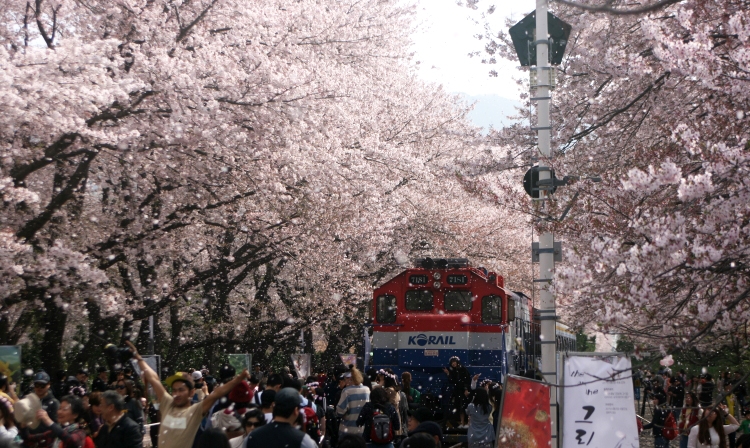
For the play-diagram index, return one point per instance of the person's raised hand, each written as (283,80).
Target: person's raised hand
(245,374)
(132,348)
(43,417)
(476,377)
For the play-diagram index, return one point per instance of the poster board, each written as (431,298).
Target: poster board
(598,407)
(240,361)
(524,414)
(348,359)
(10,362)
(301,363)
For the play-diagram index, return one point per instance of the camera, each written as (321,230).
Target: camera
(117,355)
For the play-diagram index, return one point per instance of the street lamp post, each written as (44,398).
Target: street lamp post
(543,183)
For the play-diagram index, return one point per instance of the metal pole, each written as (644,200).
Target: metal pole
(151,335)
(546,239)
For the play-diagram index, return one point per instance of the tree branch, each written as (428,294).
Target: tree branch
(618,12)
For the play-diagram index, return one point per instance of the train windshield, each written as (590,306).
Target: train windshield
(419,300)
(457,300)
(386,312)
(492,309)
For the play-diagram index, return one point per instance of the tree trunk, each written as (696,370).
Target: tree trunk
(54,329)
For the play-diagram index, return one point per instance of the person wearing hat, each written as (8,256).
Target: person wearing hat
(42,385)
(180,419)
(201,389)
(659,399)
(280,433)
(101,380)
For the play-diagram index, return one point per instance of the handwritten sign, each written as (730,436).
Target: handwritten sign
(598,406)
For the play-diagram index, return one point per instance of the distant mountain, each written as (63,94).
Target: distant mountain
(491,110)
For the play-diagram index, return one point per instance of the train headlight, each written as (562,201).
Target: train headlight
(436,276)
(436,285)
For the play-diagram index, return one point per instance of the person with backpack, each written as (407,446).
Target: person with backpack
(659,422)
(380,420)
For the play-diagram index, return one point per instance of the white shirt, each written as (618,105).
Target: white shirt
(693,441)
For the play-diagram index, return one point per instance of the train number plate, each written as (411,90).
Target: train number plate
(431,352)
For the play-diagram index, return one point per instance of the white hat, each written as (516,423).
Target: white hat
(25,410)
(197,375)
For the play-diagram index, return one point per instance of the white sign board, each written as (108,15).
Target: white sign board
(598,406)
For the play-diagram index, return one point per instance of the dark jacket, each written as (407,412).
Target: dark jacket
(125,434)
(99,386)
(657,424)
(275,435)
(368,411)
(459,378)
(51,405)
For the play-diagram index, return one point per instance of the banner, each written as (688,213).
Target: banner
(598,405)
(348,359)
(10,362)
(301,363)
(240,361)
(524,414)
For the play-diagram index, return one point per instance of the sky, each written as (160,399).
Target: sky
(445,36)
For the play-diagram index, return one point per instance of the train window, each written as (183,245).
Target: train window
(386,312)
(492,309)
(457,300)
(419,300)
(511,310)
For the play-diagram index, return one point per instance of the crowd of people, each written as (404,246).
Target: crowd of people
(343,408)
(706,412)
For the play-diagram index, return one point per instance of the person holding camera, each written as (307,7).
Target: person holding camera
(711,432)
(180,419)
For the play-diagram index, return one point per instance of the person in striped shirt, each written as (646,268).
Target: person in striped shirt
(353,398)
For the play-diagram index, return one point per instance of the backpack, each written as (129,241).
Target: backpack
(380,428)
(311,425)
(669,431)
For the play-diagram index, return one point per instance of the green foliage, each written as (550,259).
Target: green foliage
(585,343)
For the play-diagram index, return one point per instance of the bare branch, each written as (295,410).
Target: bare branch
(607,8)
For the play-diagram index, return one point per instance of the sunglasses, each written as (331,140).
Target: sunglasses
(120,386)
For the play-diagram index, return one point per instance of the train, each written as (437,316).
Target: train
(445,307)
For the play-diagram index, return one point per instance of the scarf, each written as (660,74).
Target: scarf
(68,429)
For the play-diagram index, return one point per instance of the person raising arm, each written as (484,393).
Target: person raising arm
(180,419)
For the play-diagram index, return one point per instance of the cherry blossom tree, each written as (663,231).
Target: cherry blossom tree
(238,171)
(653,98)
